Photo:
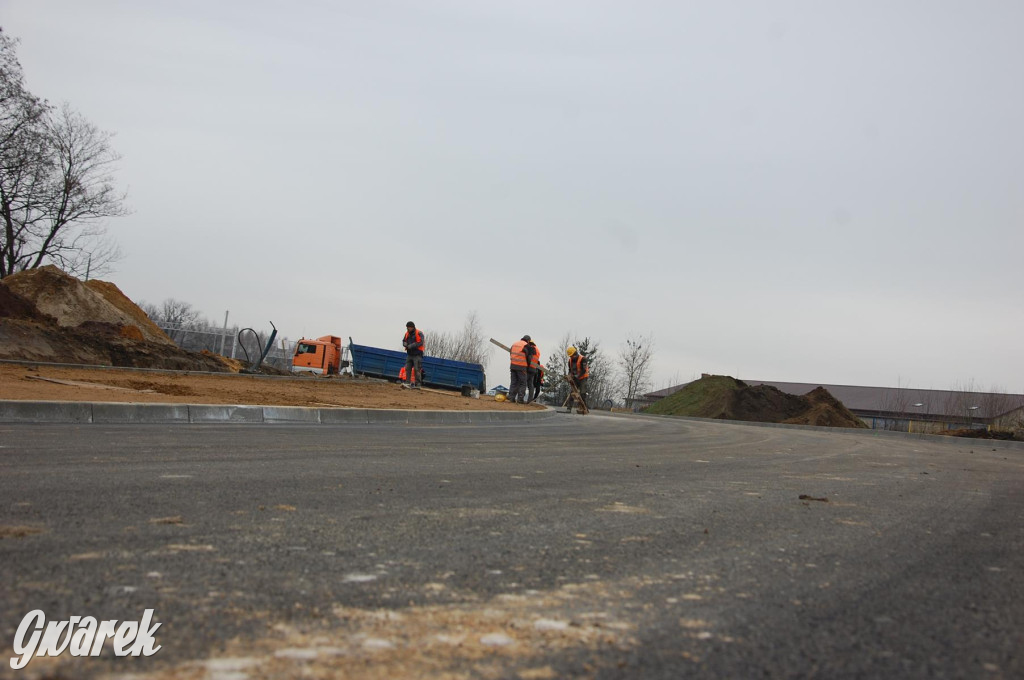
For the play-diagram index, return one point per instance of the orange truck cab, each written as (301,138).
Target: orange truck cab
(321,356)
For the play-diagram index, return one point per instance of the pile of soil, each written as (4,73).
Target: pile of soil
(72,302)
(47,315)
(113,295)
(726,398)
(1005,435)
(825,411)
(13,306)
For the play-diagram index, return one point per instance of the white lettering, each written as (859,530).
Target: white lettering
(82,636)
(51,645)
(145,641)
(106,630)
(126,634)
(81,641)
(20,648)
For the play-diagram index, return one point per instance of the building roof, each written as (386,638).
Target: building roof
(898,400)
(668,391)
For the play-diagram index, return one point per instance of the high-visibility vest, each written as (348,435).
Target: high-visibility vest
(418,338)
(575,362)
(535,358)
(517,353)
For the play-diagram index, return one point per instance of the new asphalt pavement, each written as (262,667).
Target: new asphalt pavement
(558,546)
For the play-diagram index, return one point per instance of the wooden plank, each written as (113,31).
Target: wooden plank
(507,349)
(98,386)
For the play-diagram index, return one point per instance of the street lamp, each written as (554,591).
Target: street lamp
(970,414)
(910,424)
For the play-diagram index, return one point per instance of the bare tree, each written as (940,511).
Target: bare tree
(467,345)
(173,313)
(476,348)
(443,345)
(635,364)
(894,405)
(962,402)
(176,318)
(56,182)
(1000,406)
(23,160)
(601,384)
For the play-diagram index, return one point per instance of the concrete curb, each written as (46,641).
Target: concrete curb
(109,413)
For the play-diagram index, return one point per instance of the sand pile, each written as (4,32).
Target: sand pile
(725,398)
(72,302)
(138,318)
(13,306)
(49,316)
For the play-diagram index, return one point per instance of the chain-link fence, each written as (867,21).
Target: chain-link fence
(226,342)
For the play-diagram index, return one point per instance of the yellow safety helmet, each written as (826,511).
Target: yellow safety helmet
(499,397)
(571,351)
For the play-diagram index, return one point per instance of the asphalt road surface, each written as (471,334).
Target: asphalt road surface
(597,546)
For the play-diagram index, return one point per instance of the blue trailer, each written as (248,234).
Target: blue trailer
(386,363)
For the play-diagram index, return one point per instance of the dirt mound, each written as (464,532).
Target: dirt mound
(826,411)
(14,306)
(762,403)
(233,365)
(112,294)
(73,303)
(94,343)
(725,398)
(48,316)
(973,433)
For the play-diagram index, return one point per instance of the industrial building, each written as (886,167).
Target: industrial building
(907,409)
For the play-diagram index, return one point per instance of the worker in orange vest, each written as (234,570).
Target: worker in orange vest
(519,363)
(579,371)
(534,372)
(413,344)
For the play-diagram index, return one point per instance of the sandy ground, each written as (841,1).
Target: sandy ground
(49,383)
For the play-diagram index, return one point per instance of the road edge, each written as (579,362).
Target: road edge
(110,413)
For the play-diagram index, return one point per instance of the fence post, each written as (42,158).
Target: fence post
(224,333)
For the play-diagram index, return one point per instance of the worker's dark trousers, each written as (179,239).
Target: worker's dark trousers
(517,388)
(533,376)
(414,369)
(581,387)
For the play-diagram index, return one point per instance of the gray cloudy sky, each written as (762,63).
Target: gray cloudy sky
(827,192)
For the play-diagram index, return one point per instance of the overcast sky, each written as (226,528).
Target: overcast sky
(825,192)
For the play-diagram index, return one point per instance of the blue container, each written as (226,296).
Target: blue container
(386,363)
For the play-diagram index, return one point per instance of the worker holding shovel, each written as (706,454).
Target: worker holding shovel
(579,371)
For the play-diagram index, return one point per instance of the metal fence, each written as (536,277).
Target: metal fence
(225,342)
